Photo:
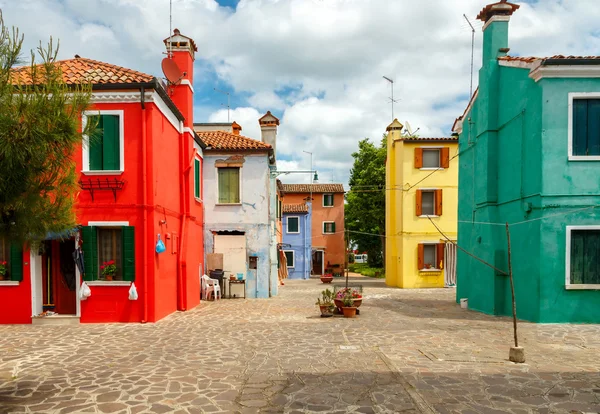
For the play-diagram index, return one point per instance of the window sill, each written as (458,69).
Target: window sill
(103,172)
(108,283)
(431,168)
(327,206)
(430,270)
(9,283)
(428,215)
(582,287)
(584,157)
(326,234)
(228,204)
(198,200)
(292,232)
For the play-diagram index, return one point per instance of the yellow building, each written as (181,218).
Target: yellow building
(421,193)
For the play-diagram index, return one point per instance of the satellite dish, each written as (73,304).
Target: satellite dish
(408,128)
(171,71)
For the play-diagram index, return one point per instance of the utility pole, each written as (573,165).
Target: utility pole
(517,353)
(472,49)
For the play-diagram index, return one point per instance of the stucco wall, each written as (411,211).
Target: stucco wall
(300,244)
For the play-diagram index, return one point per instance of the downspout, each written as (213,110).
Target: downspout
(145,202)
(182,219)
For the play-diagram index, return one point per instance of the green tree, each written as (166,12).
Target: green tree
(365,208)
(39,131)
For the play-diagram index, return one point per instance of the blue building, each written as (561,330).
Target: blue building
(297,239)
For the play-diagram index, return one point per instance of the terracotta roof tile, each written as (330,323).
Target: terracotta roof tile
(295,208)
(409,139)
(531,59)
(316,188)
(82,70)
(221,140)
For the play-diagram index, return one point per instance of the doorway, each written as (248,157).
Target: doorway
(58,277)
(317,262)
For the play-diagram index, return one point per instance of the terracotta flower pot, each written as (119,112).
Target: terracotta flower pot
(326,278)
(349,312)
(108,278)
(340,304)
(3,277)
(326,311)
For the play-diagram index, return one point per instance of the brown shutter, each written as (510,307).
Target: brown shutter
(419,204)
(421,257)
(438,202)
(440,255)
(418,157)
(445,157)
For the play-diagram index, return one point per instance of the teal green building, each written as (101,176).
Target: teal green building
(529,145)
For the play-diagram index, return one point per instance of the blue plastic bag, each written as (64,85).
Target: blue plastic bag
(160,246)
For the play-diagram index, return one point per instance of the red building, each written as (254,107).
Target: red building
(141,179)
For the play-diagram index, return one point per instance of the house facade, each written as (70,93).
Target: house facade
(421,203)
(327,227)
(530,147)
(139,180)
(240,198)
(297,239)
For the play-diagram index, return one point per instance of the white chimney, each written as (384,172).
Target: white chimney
(268,128)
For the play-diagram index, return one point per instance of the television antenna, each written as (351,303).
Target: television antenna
(392,100)
(228,106)
(472,50)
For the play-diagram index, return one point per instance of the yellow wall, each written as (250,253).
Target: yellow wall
(404,229)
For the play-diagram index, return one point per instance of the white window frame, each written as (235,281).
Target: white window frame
(217,188)
(439,149)
(293,258)
(332,199)
(430,190)
(85,150)
(287,225)
(568,285)
(323,227)
(197,157)
(434,244)
(572,97)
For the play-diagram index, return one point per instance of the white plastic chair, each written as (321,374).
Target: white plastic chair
(210,286)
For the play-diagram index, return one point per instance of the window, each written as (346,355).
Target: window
(197,178)
(229,185)
(327,200)
(103,244)
(104,151)
(328,227)
(428,203)
(585,133)
(583,256)
(431,158)
(430,256)
(290,257)
(293,225)
(13,256)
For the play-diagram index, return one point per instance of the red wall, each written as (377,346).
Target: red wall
(15,301)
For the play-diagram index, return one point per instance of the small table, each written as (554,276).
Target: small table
(237,282)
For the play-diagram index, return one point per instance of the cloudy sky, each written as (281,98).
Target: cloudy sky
(316,64)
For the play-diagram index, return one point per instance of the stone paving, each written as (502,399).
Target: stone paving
(408,351)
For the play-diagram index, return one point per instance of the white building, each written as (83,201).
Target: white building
(240,202)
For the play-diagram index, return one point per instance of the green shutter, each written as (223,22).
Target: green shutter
(90,252)
(95,144)
(196,178)
(111,153)
(593,127)
(333,227)
(293,224)
(289,256)
(229,185)
(128,246)
(16,263)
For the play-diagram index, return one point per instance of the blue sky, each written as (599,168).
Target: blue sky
(315,64)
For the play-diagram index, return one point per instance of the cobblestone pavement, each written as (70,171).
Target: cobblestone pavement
(413,351)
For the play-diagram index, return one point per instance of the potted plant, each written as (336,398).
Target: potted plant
(325,303)
(354,294)
(327,278)
(109,270)
(3,270)
(348,308)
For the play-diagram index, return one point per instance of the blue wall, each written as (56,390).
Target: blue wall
(300,243)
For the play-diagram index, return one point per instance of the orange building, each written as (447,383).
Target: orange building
(328,244)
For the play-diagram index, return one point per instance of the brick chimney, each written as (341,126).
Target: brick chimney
(182,50)
(236,128)
(268,127)
(495,17)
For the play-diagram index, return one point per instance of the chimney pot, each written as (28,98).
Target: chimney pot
(236,128)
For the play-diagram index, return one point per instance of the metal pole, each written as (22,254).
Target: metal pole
(512,289)
(472,48)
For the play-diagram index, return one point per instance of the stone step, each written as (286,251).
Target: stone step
(56,320)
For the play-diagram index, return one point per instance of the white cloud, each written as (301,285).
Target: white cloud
(320,63)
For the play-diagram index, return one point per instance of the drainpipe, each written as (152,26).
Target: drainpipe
(145,203)
(185,216)
(182,218)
